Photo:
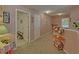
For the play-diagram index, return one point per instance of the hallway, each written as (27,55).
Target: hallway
(43,45)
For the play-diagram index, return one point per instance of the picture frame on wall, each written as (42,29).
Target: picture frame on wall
(6,17)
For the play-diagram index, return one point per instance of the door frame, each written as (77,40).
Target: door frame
(29,14)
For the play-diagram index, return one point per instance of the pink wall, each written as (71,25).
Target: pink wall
(45,24)
(74,14)
(56,20)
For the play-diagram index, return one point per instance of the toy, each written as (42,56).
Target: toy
(59,41)
(58,37)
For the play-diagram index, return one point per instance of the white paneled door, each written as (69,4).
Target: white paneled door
(22,28)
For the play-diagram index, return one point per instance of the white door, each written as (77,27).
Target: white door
(22,27)
(36,26)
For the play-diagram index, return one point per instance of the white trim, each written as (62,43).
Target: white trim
(66,51)
(22,10)
(29,25)
(16,24)
(45,34)
(16,28)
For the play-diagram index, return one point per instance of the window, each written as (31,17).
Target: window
(65,22)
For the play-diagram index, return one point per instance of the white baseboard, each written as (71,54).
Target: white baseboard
(33,40)
(41,36)
(45,34)
(66,51)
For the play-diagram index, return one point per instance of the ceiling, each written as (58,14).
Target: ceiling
(53,8)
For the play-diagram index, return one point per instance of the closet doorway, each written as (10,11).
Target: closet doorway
(36,26)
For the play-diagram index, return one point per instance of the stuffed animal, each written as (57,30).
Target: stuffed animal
(59,41)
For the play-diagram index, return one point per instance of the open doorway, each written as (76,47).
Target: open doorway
(22,32)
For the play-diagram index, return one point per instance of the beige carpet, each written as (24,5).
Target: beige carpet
(40,46)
